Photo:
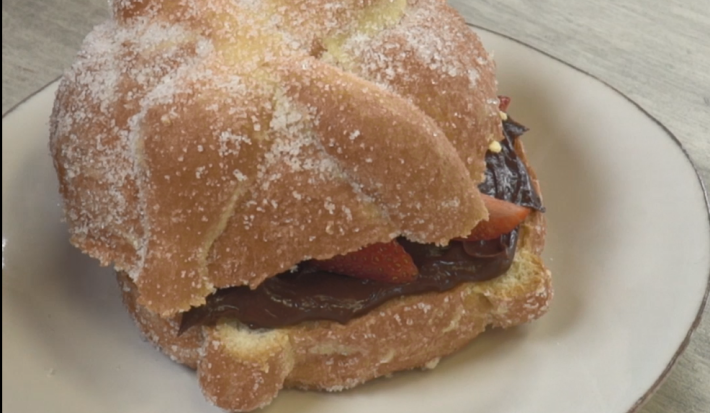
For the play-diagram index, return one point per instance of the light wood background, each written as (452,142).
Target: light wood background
(655,52)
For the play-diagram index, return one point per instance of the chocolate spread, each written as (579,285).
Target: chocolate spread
(308,294)
(507,177)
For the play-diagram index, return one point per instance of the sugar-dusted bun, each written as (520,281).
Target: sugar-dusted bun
(203,144)
(214,143)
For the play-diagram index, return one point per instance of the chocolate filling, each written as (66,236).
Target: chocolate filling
(309,294)
(507,177)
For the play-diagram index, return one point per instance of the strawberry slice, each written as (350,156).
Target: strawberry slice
(504,103)
(387,262)
(503,217)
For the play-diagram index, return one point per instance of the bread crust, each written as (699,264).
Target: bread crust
(204,144)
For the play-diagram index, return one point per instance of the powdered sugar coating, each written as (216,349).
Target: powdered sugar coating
(205,144)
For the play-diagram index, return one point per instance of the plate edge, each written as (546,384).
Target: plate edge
(31,95)
(703,188)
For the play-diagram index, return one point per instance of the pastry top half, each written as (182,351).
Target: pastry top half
(203,144)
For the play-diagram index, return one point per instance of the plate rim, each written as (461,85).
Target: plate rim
(703,188)
(641,401)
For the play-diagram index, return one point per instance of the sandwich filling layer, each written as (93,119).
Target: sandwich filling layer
(311,294)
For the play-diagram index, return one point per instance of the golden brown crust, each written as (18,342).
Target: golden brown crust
(430,43)
(534,229)
(206,144)
(184,349)
(224,363)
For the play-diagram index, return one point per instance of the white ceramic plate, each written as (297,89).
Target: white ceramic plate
(629,247)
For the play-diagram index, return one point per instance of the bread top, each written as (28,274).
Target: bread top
(203,144)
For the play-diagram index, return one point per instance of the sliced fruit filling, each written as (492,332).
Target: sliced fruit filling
(350,285)
(386,262)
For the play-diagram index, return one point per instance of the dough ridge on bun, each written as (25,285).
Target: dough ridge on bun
(208,144)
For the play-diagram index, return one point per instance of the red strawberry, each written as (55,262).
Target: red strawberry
(504,103)
(503,217)
(387,262)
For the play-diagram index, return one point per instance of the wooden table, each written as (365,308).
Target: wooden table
(657,53)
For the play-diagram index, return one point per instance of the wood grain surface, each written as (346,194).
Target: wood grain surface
(655,52)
